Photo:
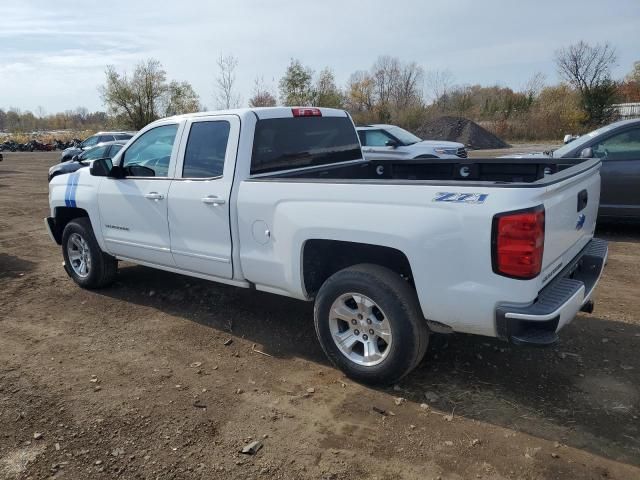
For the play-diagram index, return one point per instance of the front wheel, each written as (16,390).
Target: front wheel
(84,261)
(369,324)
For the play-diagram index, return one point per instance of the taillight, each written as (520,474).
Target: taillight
(518,243)
(306,112)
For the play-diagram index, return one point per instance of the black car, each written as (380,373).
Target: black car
(103,150)
(92,141)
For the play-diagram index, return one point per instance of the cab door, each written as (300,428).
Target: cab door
(199,209)
(133,210)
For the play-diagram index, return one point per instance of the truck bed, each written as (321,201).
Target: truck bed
(498,171)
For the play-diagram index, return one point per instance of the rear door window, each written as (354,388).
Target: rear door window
(286,143)
(123,136)
(206,149)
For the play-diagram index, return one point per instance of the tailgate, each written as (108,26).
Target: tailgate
(571,209)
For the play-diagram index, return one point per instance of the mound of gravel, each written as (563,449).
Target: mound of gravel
(463,130)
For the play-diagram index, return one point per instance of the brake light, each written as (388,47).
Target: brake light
(306,112)
(518,243)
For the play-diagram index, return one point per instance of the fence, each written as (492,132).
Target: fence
(628,110)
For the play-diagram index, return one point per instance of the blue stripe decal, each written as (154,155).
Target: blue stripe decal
(74,189)
(68,191)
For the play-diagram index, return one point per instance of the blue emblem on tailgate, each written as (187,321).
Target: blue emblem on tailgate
(581,219)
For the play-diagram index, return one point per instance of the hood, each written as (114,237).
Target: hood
(72,149)
(438,143)
(527,155)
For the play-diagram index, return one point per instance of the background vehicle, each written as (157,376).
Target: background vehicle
(92,141)
(281,200)
(103,150)
(388,141)
(618,146)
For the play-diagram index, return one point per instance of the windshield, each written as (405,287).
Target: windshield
(579,142)
(407,138)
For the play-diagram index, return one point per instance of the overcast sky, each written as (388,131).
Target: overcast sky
(53,52)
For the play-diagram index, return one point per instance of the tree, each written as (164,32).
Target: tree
(534,86)
(630,88)
(226,96)
(588,69)
(439,84)
(146,95)
(360,92)
(407,87)
(181,98)
(385,72)
(262,96)
(295,85)
(326,92)
(13,120)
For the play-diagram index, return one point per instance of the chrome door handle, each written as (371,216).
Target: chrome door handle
(154,196)
(213,200)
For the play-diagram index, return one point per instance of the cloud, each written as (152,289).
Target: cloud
(54,53)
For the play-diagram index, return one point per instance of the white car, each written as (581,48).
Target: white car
(389,141)
(281,200)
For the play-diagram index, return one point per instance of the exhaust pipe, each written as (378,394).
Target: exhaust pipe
(587,307)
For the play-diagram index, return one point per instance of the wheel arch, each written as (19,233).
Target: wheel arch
(62,216)
(321,258)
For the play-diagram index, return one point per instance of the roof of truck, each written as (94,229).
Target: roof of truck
(262,112)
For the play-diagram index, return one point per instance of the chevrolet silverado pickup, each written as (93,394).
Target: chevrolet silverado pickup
(281,200)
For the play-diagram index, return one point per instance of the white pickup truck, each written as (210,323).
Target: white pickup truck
(281,200)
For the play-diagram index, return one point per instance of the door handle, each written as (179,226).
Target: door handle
(213,200)
(154,196)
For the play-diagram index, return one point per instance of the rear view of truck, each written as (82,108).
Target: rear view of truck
(553,244)
(392,250)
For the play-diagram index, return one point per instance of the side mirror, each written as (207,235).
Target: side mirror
(567,138)
(103,167)
(391,143)
(587,153)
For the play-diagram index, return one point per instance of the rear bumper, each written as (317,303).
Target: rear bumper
(557,303)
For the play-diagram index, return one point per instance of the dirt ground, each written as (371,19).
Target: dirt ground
(139,381)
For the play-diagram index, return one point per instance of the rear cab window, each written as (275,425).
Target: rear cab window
(298,142)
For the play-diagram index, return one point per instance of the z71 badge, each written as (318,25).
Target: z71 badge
(453,197)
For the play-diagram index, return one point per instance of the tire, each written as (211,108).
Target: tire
(100,268)
(400,333)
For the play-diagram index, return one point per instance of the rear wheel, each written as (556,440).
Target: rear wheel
(369,324)
(84,261)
